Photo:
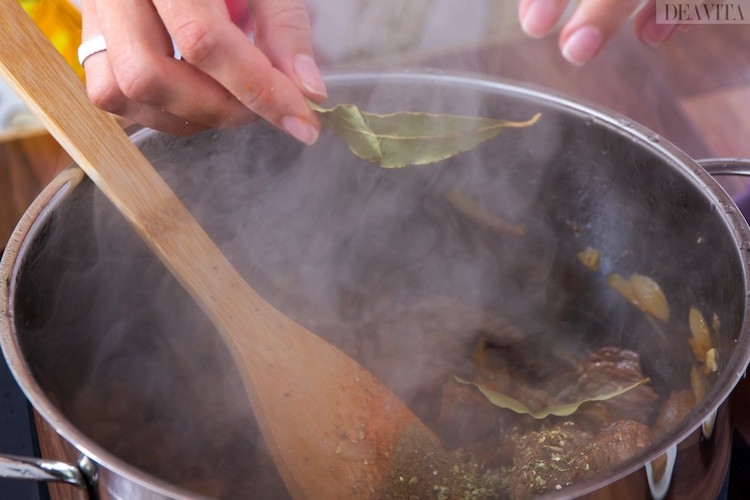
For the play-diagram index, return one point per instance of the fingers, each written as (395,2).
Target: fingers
(223,79)
(283,33)
(138,78)
(647,29)
(592,24)
(538,17)
(209,42)
(147,77)
(105,93)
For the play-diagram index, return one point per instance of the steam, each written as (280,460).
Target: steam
(373,260)
(376,261)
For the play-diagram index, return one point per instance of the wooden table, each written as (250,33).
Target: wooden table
(28,161)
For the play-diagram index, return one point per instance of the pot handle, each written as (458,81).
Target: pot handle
(40,469)
(726,166)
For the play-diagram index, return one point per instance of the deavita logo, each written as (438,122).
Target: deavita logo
(675,12)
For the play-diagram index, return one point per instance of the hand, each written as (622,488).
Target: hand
(592,24)
(223,78)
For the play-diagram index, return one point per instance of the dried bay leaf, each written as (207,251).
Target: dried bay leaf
(561,410)
(475,210)
(410,138)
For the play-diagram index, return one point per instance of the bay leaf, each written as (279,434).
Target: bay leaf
(560,410)
(410,138)
(475,210)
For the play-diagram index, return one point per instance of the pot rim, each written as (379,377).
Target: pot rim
(68,179)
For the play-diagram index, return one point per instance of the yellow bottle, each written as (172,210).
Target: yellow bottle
(60,21)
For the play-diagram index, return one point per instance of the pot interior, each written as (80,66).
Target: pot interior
(402,269)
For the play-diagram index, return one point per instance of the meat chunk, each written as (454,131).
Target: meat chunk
(465,415)
(546,460)
(608,369)
(551,459)
(616,442)
(414,349)
(674,409)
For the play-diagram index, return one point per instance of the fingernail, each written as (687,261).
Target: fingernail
(300,129)
(583,44)
(309,75)
(654,34)
(540,18)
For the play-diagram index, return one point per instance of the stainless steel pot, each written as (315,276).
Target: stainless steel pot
(96,332)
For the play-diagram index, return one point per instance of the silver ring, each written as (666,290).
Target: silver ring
(90,47)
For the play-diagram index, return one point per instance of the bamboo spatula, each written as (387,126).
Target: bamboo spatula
(332,428)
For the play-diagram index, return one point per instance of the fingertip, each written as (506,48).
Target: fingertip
(540,17)
(300,129)
(308,73)
(654,33)
(591,25)
(583,44)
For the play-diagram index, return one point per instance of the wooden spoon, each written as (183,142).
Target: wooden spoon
(332,428)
